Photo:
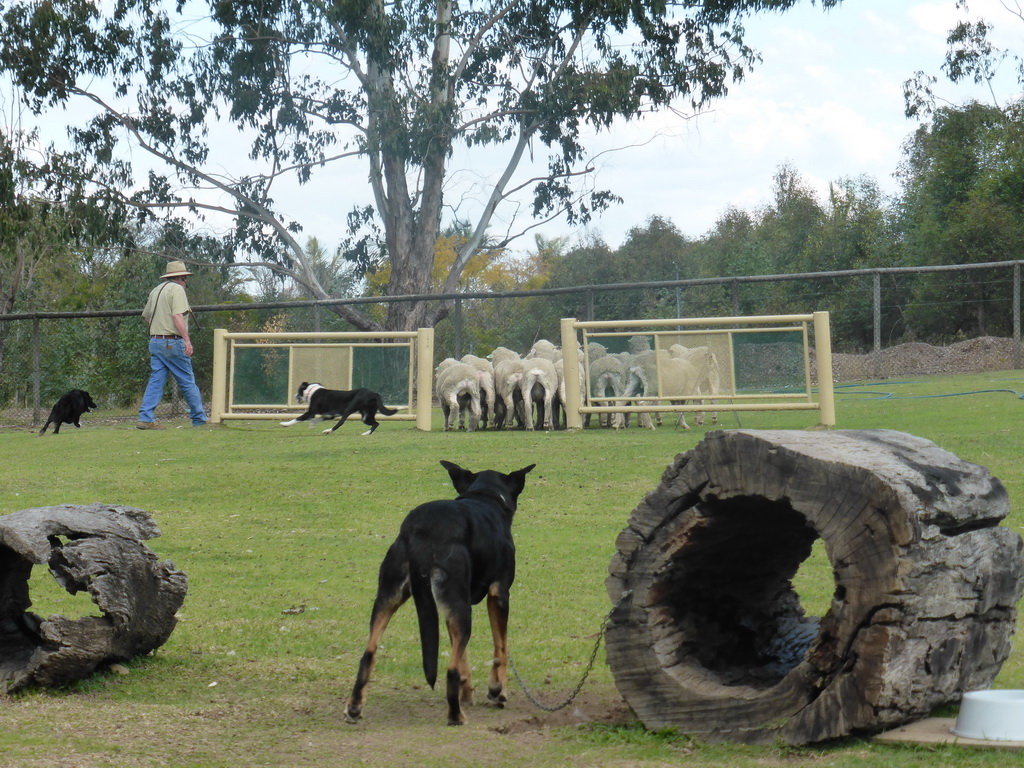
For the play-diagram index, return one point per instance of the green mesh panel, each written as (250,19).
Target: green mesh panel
(766,362)
(260,376)
(383,369)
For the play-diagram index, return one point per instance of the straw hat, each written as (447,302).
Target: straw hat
(176,269)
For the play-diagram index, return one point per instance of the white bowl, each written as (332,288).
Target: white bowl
(991,715)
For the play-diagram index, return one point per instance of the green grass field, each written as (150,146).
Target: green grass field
(265,520)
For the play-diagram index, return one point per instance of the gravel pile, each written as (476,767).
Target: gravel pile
(980,355)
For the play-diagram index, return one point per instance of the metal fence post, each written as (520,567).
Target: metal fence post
(458,329)
(36,371)
(1016,315)
(876,319)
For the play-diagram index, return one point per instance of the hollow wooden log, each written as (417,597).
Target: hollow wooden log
(95,548)
(708,635)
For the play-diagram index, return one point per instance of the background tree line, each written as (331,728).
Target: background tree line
(71,240)
(392,88)
(961,200)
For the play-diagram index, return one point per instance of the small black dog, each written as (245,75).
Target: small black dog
(333,403)
(69,409)
(451,555)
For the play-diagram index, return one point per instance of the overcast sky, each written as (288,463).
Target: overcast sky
(827,98)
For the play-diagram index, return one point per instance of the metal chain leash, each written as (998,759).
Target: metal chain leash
(579,686)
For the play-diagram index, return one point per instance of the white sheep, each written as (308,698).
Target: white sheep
(596,351)
(641,380)
(626,359)
(508,373)
(542,348)
(639,344)
(501,354)
(607,379)
(681,377)
(444,365)
(708,374)
(458,389)
(485,373)
(538,385)
(678,377)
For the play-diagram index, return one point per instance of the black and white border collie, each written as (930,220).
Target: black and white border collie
(339,404)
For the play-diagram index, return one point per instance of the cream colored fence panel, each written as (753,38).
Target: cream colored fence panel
(754,374)
(256,375)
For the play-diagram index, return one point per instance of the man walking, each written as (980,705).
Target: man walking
(170,349)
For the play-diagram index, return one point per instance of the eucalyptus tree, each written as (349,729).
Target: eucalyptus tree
(590,261)
(396,86)
(963,176)
(858,230)
(962,202)
(47,258)
(971,57)
(656,251)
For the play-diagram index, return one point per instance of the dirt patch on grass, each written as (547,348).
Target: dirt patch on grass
(402,727)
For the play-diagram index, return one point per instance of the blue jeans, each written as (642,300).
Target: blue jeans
(168,356)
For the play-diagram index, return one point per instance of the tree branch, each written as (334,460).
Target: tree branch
(262,213)
(498,191)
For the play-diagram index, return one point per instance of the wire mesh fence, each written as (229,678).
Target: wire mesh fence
(886,323)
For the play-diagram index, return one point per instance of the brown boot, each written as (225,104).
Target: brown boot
(148,425)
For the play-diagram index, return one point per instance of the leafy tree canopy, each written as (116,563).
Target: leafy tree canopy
(397,86)
(971,56)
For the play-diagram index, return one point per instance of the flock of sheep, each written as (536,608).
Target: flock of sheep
(529,391)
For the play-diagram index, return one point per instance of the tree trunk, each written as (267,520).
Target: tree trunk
(96,548)
(709,636)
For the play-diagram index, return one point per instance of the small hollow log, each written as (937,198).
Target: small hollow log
(709,636)
(95,548)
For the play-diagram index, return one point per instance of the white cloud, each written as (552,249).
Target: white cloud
(934,19)
(827,98)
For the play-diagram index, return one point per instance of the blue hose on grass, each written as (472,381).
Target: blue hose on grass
(891,396)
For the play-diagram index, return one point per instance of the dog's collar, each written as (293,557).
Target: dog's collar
(310,390)
(503,501)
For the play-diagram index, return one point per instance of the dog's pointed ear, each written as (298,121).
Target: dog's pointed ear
(461,478)
(519,477)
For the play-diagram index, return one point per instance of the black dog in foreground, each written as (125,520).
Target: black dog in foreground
(333,403)
(451,555)
(69,409)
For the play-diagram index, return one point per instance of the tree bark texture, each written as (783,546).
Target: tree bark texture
(96,548)
(708,635)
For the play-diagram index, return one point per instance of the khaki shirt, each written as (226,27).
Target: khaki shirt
(165,301)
